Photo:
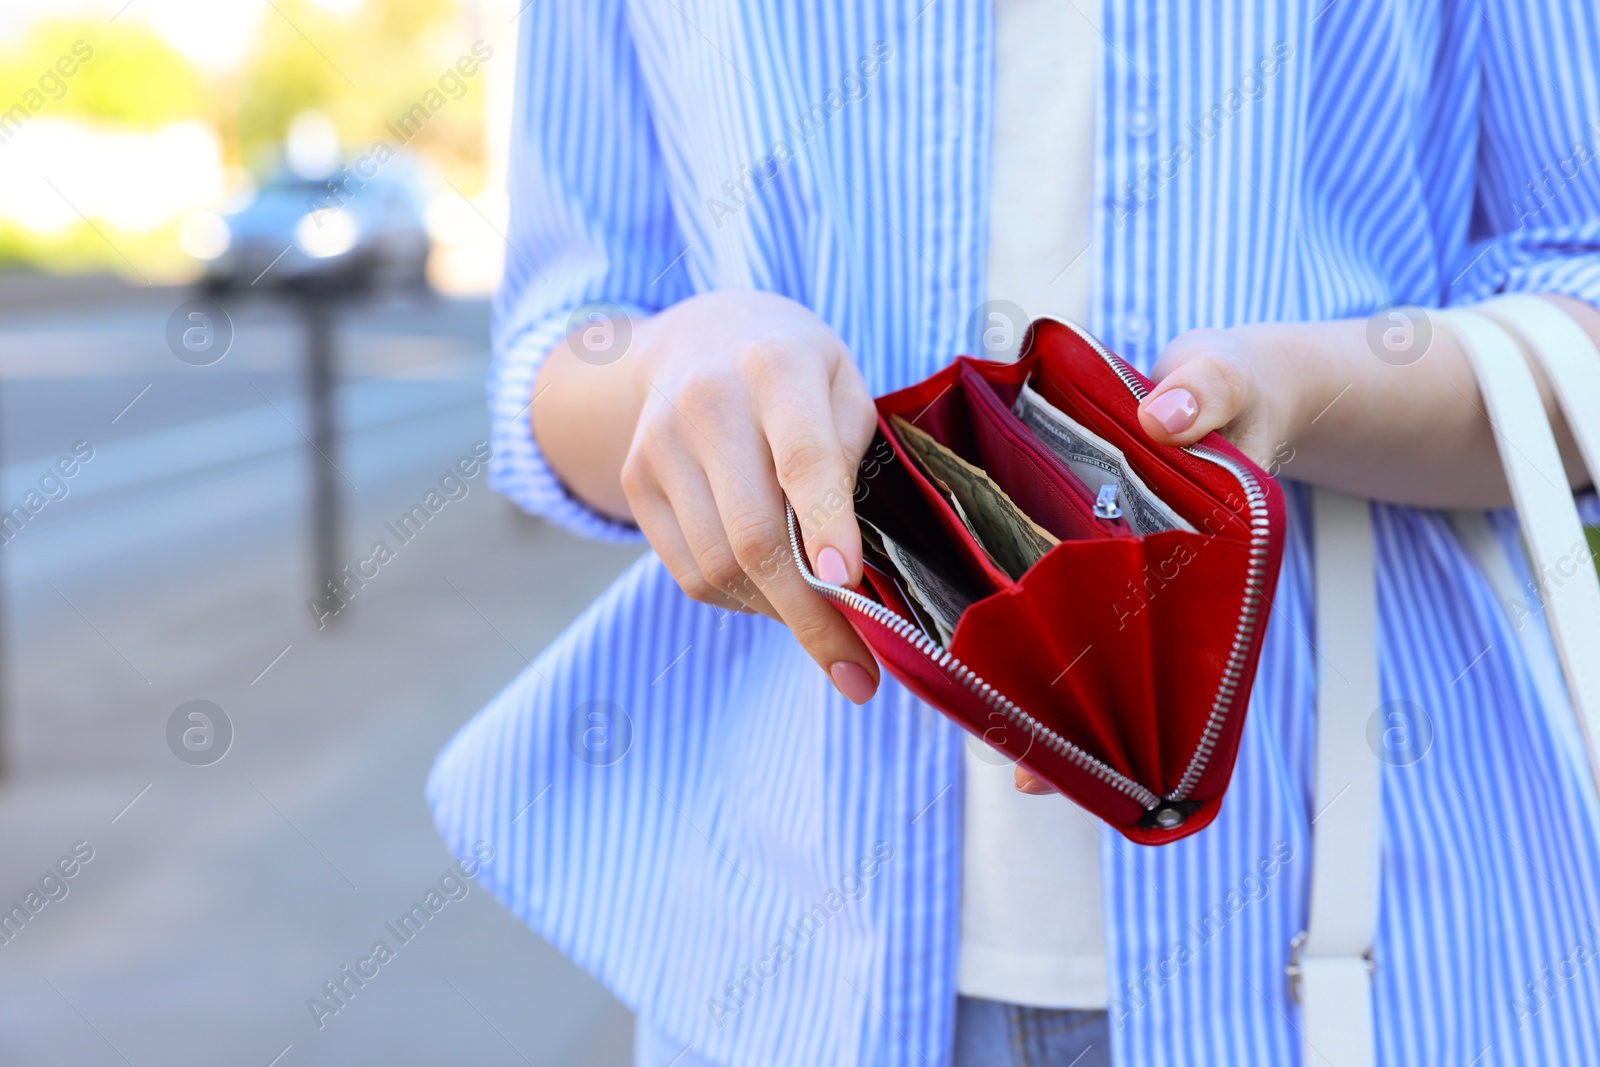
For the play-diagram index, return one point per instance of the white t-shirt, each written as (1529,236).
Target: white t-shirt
(1031,924)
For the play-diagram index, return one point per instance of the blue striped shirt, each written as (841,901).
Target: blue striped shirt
(684,805)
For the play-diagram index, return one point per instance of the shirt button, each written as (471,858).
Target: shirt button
(1141,121)
(1134,328)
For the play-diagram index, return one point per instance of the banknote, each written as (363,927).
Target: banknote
(874,553)
(1096,462)
(871,538)
(961,513)
(935,599)
(1013,540)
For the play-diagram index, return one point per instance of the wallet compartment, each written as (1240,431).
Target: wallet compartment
(971,421)
(893,494)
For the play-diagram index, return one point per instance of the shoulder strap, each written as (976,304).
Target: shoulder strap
(1556,544)
(1570,361)
(1331,960)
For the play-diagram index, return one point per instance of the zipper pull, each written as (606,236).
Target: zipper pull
(1105,504)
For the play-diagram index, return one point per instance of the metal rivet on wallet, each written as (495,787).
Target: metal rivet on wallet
(1169,818)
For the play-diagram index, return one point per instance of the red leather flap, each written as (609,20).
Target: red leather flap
(1049,645)
(926,679)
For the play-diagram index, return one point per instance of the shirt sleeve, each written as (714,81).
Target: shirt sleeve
(591,228)
(1536,221)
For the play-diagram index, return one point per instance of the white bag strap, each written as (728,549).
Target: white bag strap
(1570,361)
(1331,961)
(1550,526)
(1330,967)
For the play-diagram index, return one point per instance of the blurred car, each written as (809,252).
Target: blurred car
(339,234)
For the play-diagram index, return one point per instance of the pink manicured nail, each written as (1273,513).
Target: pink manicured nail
(831,568)
(1034,787)
(1175,410)
(852,678)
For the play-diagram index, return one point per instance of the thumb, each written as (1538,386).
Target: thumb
(1201,386)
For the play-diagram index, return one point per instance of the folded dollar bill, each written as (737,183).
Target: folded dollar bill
(939,600)
(1096,462)
(1013,540)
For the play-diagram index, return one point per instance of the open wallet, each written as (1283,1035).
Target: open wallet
(1089,603)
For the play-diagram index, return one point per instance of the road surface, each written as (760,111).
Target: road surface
(171,567)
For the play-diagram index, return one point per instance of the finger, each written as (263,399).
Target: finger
(659,524)
(753,517)
(816,467)
(855,415)
(855,418)
(1032,784)
(696,512)
(1201,389)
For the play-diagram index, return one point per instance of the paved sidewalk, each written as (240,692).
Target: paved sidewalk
(220,898)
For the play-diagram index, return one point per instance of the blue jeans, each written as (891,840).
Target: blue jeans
(988,1034)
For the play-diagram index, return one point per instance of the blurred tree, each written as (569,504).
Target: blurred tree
(134,78)
(363,70)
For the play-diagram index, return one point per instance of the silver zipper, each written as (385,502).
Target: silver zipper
(1255,573)
(954,668)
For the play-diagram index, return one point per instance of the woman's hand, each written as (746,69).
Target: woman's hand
(1217,380)
(743,398)
(1325,404)
(1316,401)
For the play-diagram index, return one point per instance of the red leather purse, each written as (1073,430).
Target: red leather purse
(1118,666)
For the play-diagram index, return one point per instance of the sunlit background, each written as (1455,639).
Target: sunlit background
(246,248)
(179,110)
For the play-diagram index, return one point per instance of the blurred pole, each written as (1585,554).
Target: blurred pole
(317,311)
(5,673)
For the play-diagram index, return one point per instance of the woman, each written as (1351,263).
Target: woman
(733,225)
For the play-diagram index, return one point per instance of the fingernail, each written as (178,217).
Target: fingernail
(1034,787)
(852,679)
(831,569)
(1175,410)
